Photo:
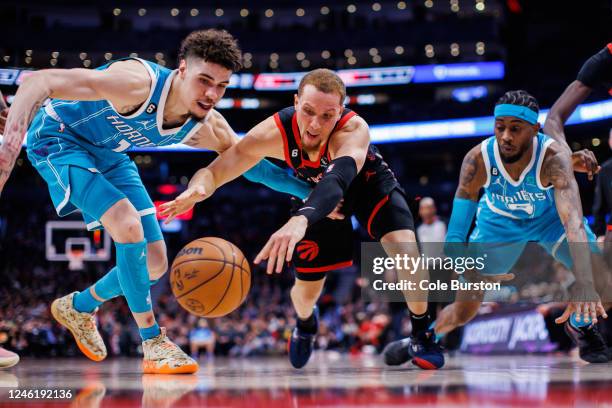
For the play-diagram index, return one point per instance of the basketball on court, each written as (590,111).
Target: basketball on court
(210,277)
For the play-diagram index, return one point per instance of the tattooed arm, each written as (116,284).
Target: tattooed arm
(125,84)
(473,175)
(557,171)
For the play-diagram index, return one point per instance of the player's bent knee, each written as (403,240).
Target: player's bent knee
(404,235)
(131,229)
(123,222)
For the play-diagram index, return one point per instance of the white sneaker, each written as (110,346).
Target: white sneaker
(7,358)
(162,356)
(82,326)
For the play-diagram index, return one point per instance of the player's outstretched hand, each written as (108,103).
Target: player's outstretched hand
(585,302)
(585,311)
(584,161)
(183,203)
(3,115)
(280,246)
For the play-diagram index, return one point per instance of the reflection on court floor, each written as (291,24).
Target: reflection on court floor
(328,380)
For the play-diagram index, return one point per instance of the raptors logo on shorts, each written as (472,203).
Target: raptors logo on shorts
(308,250)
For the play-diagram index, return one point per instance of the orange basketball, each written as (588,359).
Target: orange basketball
(210,277)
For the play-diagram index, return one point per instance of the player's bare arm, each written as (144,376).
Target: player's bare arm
(215,134)
(557,171)
(264,140)
(583,160)
(472,176)
(125,84)
(352,140)
(348,148)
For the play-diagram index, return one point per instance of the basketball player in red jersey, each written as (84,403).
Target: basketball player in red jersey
(595,73)
(328,146)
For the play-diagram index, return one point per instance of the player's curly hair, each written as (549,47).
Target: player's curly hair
(216,46)
(521,98)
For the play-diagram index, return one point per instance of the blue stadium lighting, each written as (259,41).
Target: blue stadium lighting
(386,76)
(477,71)
(380,76)
(450,128)
(470,93)
(472,127)
(8,76)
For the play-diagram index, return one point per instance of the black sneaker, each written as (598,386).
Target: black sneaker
(421,348)
(591,344)
(397,352)
(301,344)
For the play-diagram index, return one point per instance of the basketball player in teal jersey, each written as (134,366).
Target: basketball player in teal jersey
(530,194)
(77,142)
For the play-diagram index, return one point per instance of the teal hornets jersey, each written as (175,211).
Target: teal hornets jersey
(525,198)
(99,123)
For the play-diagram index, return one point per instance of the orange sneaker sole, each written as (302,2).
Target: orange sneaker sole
(88,353)
(149,367)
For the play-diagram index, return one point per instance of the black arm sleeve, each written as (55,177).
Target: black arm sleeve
(597,70)
(602,203)
(330,190)
(599,208)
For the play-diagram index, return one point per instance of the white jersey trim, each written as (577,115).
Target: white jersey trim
(147,211)
(545,146)
(160,110)
(147,101)
(502,169)
(555,247)
(61,205)
(498,211)
(49,110)
(92,225)
(487,162)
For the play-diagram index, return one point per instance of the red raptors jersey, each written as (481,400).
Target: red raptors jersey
(375,172)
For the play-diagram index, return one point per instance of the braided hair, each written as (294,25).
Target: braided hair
(520,98)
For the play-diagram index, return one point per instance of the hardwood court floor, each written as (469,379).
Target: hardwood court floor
(328,380)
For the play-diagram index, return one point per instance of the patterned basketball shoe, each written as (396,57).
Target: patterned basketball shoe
(7,358)
(81,325)
(162,356)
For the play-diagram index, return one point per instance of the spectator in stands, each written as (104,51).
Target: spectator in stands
(202,336)
(432,229)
